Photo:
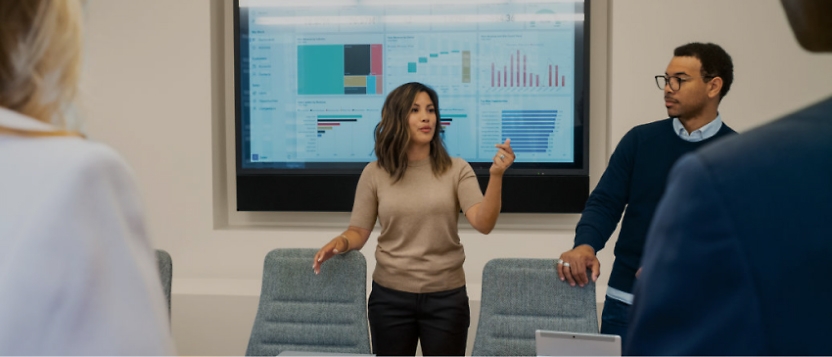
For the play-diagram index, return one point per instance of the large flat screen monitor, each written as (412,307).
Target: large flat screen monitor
(312,75)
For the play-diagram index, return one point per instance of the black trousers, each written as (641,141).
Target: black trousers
(398,320)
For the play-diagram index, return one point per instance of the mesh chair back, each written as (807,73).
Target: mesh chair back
(165,273)
(520,296)
(303,312)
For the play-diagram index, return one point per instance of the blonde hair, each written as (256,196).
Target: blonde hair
(40,57)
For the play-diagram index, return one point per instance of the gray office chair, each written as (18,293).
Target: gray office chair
(165,272)
(520,296)
(303,312)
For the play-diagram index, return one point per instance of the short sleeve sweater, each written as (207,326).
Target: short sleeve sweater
(418,249)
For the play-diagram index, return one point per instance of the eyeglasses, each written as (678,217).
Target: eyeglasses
(675,82)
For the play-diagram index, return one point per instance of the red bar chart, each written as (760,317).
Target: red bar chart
(516,73)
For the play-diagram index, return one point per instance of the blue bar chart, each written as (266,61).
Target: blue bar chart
(530,130)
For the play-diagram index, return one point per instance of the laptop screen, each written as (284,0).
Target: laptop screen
(556,343)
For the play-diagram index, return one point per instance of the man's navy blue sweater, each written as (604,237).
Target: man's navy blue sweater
(635,178)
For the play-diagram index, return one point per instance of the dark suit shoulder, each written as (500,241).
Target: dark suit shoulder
(793,139)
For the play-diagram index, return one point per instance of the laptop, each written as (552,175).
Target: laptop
(307,353)
(556,343)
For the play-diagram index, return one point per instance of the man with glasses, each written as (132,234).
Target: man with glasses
(737,260)
(698,77)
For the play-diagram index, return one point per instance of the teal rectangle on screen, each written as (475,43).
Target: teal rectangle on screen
(321,69)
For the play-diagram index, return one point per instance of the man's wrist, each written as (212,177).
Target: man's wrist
(586,246)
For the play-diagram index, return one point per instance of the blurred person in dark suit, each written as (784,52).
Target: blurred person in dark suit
(738,255)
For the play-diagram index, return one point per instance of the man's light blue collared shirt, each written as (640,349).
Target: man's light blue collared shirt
(705,132)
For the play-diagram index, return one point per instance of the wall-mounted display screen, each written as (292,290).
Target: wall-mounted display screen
(312,76)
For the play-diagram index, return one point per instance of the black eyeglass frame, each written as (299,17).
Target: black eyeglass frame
(679,81)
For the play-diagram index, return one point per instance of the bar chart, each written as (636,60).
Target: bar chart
(338,135)
(328,122)
(516,74)
(524,64)
(530,130)
(540,127)
(338,128)
(458,129)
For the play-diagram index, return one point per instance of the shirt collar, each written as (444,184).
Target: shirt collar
(14,120)
(705,132)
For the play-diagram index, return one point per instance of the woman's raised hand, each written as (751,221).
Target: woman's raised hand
(503,158)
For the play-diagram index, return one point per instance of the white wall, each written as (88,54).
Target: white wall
(772,74)
(154,89)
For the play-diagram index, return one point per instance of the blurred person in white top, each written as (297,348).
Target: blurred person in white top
(77,273)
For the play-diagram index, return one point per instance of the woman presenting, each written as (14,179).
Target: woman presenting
(416,190)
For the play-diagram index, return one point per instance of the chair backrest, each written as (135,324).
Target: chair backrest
(520,296)
(300,311)
(165,272)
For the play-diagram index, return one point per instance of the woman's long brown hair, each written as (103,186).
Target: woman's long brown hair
(393,137)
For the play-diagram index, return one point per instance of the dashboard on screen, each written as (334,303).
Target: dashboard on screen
(311,78)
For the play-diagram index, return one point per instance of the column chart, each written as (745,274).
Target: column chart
(521,64)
